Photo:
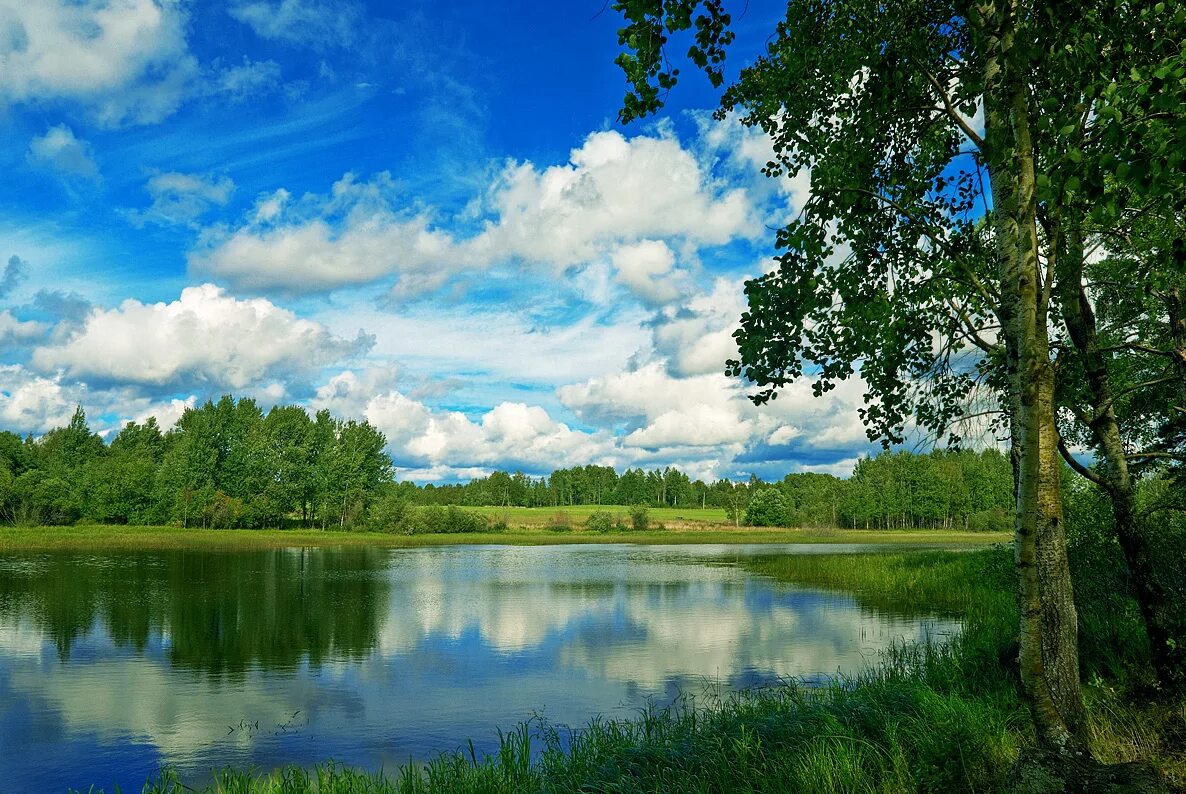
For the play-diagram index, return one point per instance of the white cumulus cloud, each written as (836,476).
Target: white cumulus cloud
(617,196)
(351,236)
(126,61)
(696,337)
(30,403)
(19,331)
(614,190)
(647,269)
(205,336)
(510,434)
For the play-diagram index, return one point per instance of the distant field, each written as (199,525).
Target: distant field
(544,516)
(124,537)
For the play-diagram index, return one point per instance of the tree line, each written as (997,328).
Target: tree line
(948,489)
(223,464)
(227,463)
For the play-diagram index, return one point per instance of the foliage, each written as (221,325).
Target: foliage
(393,513)
(600,521)
(966,490)
(640,518)
(224,464)
(768,508)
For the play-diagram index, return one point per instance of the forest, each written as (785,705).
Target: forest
(224,464)
(230,464)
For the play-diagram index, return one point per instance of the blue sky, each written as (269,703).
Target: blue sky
(422,214)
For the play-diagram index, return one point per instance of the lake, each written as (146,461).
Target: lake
(113,664)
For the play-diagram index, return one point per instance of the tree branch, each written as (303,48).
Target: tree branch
(1137,346)
(971,333)
(954,114)
(1155,456)
(939,241)
(1077,466)
(1137,387)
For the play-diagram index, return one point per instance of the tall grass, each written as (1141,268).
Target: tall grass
(875,735)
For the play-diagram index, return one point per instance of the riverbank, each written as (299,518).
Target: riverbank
(924,718)
(129,537)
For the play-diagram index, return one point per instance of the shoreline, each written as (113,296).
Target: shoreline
(116,537)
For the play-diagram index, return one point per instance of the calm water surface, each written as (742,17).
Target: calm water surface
(113,664)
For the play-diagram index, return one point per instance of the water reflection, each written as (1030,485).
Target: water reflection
(113,664)
(217,612)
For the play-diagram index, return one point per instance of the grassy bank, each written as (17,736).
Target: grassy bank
(922,719)
(129,537)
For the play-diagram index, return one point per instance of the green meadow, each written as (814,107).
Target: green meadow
(108,536)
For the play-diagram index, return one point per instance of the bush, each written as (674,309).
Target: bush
(599,521)
(995,520)
(396,515)
(224,511)
(768,508)
(640,518)
(427,519)
(390,513)
(449,520)
(458,520)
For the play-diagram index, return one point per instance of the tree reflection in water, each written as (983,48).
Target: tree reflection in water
(217,612)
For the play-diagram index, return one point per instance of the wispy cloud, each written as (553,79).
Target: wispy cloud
(179,198)
(15,271)
(60,151)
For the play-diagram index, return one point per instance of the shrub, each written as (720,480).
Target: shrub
(994,520)
(390,513)
(427,519)
(640,518)
(458,520)
(225,511)
(599,521)
(434,519)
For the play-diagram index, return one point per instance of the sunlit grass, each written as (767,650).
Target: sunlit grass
(129,537)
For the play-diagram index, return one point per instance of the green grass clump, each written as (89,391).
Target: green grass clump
(900,582)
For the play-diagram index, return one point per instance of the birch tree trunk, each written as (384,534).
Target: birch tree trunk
(1048,639)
